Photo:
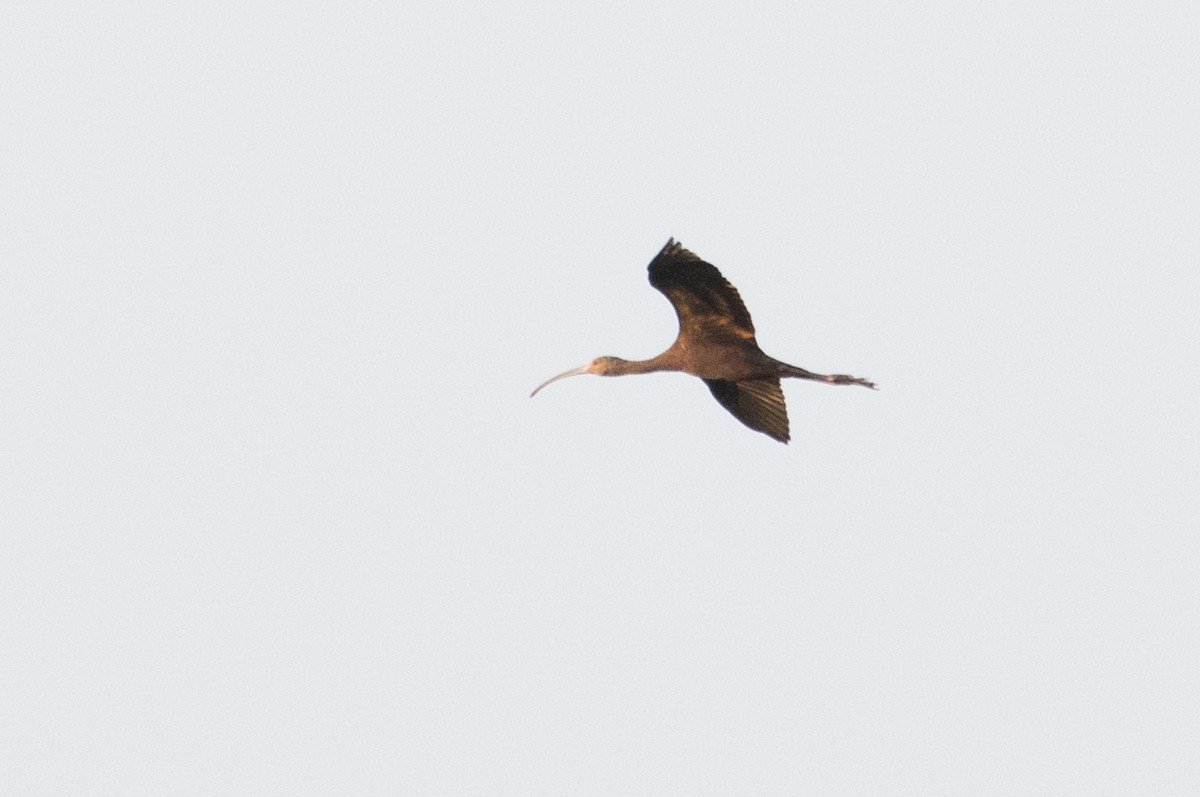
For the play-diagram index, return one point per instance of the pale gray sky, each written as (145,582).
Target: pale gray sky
(279,517)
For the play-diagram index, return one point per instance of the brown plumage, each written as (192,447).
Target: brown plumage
(716,343)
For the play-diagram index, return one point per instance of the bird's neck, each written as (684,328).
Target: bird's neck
(621,367)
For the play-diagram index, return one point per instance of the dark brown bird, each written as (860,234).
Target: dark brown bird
(716,343)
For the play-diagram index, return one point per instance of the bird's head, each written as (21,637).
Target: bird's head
(607,366)
(601,366)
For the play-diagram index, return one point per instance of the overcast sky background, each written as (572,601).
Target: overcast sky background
(278,516)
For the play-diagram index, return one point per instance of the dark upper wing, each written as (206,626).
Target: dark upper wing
(758,403)
(707,305)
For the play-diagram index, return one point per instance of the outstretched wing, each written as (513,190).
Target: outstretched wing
(709,308)
(758,403)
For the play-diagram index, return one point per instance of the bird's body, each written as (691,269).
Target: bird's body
(715,343)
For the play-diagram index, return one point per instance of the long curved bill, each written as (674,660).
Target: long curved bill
(583,369)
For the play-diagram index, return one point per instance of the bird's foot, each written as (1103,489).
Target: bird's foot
(845,379)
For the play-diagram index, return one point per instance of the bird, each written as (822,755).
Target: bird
(715,343)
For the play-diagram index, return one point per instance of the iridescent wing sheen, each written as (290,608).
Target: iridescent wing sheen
(708,307)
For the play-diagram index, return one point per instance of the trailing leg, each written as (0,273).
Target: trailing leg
(833,379)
